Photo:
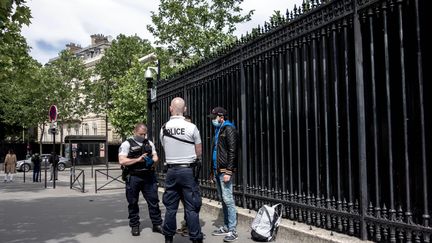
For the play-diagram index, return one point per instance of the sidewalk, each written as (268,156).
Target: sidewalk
(31,213)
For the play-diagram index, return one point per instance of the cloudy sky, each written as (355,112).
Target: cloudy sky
(56,23)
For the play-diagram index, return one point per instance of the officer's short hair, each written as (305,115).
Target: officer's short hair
(139,125)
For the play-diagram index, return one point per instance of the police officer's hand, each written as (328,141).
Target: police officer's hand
(141,158)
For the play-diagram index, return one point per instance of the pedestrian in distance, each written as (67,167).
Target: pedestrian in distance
(53,160)
(10,165)
(224,158)
(36,159)
(183,149)
(138,159)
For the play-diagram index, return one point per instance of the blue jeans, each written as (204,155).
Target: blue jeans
(225,193)
(180,182)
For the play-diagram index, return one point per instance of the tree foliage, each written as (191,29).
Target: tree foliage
(14,12)
(115,63)
(129,101)
(195,28)
(13,46)
(15,63)
(120,89)
(65,76)
(33,89)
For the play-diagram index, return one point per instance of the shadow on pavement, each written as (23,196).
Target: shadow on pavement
(43,219)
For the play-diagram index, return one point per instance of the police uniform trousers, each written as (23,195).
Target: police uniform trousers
(145,183)
(181,182)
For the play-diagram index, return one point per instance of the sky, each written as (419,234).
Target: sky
(56,23)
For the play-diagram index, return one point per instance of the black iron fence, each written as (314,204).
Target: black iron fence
(332,107)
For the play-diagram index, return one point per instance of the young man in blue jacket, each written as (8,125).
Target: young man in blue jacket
(225,156)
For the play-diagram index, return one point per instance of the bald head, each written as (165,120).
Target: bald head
(177,107)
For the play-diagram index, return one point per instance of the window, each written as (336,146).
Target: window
(94,126)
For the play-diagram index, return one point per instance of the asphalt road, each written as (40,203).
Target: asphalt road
(31,213)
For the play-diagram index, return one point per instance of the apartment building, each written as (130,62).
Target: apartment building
(90,124)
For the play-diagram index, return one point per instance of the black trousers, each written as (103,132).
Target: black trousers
(147,185)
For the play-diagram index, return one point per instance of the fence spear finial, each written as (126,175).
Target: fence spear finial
(295,11)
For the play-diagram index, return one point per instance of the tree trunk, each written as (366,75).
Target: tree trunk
(41,137)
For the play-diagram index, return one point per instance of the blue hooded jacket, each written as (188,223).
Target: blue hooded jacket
(216,138)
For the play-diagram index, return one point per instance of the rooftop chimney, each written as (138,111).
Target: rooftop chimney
(98,38)
(73,47)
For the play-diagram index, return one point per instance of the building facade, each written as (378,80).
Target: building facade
(90,124)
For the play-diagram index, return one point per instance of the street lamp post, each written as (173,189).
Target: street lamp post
(151,90)
(149,110)
(53,119)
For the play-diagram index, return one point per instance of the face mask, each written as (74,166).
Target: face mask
(139,139)
(216,123)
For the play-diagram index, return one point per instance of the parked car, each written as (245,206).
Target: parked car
(27,165)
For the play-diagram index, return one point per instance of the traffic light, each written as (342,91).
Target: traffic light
(53,130)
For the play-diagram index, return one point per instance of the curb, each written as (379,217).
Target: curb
(289,231)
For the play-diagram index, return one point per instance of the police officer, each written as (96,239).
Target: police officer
(182,144)
(138,158)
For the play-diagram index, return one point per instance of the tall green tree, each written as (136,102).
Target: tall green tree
(115,63)
(129,101)
(17,102)
(192,29)
(34,89)
(13,46)
(14,58)
(13,12)
(65,76)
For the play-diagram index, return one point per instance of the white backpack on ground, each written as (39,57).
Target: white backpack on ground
(266,223)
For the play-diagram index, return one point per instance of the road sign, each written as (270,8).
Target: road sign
(53,113)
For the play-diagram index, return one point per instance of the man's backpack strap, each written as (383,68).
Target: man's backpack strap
(166,133)
(277,215)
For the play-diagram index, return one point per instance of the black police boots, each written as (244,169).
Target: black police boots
(135,231)
(168,239)
(197,241)
(157,229)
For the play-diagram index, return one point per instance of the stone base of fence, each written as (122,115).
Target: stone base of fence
(289,231)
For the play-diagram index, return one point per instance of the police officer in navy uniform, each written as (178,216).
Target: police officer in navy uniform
(182,144)
(138,158)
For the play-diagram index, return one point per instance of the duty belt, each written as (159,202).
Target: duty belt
(140,172)
(188,165)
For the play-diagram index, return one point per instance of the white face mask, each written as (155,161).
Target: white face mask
(216,123)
